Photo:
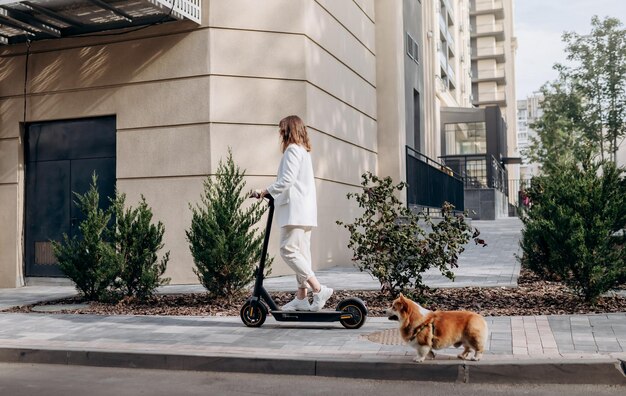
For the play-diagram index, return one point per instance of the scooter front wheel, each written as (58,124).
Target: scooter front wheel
(253,315)
(356,307)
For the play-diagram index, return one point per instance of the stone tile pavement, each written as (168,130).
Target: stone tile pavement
(494,265)
(541,337)
(570,348)
(521,349)
(33,294)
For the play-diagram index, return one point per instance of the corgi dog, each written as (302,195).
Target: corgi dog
(426,330)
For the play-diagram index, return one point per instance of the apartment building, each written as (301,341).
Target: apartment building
(493,64)
(447,67)
(528,111)
(150,94)
(471,142)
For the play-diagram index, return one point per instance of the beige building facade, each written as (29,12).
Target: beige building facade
(173,97)
(448,65)
(181,93)
(528,112)
(493,64)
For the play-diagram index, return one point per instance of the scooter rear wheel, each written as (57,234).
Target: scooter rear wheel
(253,315)
(357,309)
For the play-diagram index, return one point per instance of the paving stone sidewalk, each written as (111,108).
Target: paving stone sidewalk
(540,337)
(564,349)
(494,265)
(578,339)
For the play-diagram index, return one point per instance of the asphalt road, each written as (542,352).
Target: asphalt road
(56,380)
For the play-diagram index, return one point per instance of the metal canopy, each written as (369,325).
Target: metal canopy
(45,19)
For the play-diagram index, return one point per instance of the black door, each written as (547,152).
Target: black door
(60,159)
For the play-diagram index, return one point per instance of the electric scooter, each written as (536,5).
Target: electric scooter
(350,312)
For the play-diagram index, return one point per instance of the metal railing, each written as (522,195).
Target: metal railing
(431,183)
(478,171)
(518,187)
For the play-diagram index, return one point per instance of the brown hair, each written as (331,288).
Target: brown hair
(292,130)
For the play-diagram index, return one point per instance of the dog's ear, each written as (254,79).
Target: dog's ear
(403,303)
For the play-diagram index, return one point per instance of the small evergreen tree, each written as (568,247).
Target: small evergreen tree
(89,261)
(137,242)
(572,229)
(223,242)
(390,244)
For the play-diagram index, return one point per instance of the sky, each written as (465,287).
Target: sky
(539,25)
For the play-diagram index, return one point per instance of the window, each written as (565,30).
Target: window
(465,138)
(412,49)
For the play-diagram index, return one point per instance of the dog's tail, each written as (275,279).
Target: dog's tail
(485,335)
(480,331)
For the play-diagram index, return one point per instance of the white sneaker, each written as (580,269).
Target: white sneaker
(297,305)
(320,298)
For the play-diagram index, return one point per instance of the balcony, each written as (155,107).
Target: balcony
(443,25)
(45,19)
(491,98)
(450,41)
(484,7)
(450,11)
(490,52)
(443,60)
(498,76)
(487,30)
(451,76)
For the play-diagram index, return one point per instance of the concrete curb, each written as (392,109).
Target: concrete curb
(596,371)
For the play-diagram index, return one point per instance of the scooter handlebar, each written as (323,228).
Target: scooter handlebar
(256,195)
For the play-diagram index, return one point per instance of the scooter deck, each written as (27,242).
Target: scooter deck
(307,316)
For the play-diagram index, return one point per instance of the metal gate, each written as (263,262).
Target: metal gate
(60,159)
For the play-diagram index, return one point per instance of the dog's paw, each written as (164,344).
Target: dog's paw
(462,356)
(419,359)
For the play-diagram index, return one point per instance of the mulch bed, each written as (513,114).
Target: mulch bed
(533,296)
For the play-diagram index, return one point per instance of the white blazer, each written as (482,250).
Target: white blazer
(294,189)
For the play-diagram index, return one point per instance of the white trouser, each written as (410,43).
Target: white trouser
(295,249)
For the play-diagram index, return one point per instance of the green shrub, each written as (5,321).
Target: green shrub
(89,261)
(390,244)
(224,245)
(571,230)
(137,242)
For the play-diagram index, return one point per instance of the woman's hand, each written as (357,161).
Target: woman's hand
(259,194)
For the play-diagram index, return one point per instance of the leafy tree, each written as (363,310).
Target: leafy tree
(89,261)
(585,109)
(223,242)
(137,242)
(559,129)
(389,242)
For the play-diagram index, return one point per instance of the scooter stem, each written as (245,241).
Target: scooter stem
(266,240)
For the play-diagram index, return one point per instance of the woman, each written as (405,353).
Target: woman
(296,212)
